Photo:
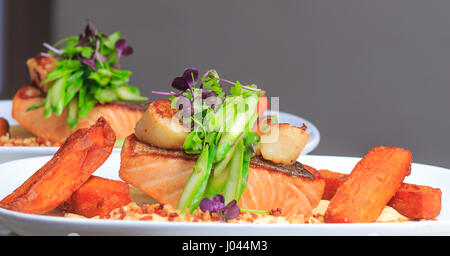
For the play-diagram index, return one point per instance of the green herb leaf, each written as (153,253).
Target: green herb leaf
(111,40)
(84,75)
(87,52)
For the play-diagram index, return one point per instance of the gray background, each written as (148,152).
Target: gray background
(367,73)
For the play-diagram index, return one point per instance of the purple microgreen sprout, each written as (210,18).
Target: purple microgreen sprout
(44,54)
(83,40)
(217,204)
(91,29)
(99,57)
(190,75)
(183,83)
(90,62)
(180,84)
(230,84)
(214,204)
(166,93)
(231,210)
(123,48)
(53,49)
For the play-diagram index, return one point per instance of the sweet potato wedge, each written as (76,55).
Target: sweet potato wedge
(370,186)
(98,197)
(417,202)
(412,201)
(72,165)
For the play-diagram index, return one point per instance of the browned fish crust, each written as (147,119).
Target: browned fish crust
(296,169)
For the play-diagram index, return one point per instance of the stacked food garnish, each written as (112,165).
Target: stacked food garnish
(77,81)
(217,126)
(222,135)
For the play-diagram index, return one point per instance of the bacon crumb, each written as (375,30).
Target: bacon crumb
(275,212)
(123,214)
(206,216)
(159,212)
(304,127)
(172,216)
(144,208)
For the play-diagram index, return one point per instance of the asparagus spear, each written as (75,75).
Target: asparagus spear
(233,184)
(225,115)
(72,113)
(245,168)
(129,93)
(195,187)
(57,95)
(201,190)
(219,176)
(106,95)
(240,124)
(48,104)
(74,84)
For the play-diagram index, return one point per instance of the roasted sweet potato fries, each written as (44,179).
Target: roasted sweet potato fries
(412,201)
(80,155)
(370,186)
(98,197)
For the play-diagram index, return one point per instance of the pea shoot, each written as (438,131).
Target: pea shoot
(87,73)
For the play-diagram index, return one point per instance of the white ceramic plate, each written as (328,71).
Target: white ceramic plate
(13,174)
(13,153)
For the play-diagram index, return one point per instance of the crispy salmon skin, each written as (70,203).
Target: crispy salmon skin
(370,186)
(72,165)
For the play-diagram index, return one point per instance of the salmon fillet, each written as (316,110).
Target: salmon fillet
(162,174)
(122,116)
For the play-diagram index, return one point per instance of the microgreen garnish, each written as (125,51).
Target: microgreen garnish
(87,73)
(221,133)
(217,204)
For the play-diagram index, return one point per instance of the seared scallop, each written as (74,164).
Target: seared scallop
(159,126)
(283,143)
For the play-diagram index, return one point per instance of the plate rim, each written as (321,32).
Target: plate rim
(109,224)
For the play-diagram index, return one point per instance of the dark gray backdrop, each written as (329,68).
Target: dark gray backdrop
(367,73)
